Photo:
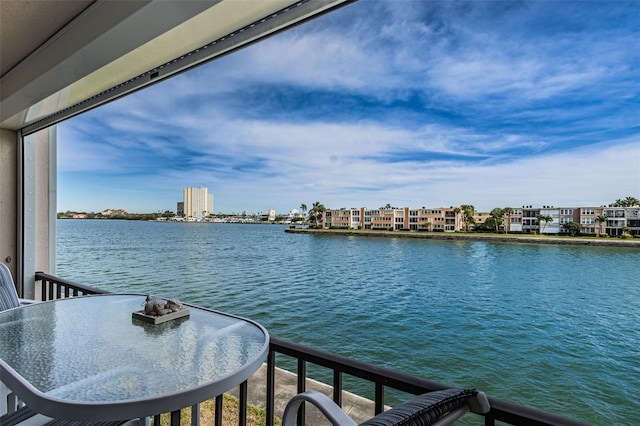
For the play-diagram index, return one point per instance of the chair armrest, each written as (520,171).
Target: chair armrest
(330,409)
(480,403)
(27,301)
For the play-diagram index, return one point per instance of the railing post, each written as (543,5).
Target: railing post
(337,387)
(302,386)
(43,289)
(175,418)
(218,411)
(379,398)
(271,387)
(489,420)
(195,415)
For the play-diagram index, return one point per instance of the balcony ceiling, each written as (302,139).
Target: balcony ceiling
(61,57)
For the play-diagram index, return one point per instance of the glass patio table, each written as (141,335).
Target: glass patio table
(86,358)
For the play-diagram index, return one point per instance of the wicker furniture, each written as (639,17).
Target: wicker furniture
(434,408)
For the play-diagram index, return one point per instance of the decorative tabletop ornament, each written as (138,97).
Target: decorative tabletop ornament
(157,310)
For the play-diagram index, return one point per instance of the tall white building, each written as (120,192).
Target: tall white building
(197,202)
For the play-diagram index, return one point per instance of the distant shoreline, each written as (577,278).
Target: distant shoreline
(504,238)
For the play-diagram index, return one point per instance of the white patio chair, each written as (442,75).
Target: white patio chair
(8,295)
(8,299)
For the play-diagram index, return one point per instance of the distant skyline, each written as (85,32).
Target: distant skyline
(410,103)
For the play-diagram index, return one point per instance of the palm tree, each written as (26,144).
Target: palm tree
(572,228)
(544,218)
(456,211)
(427,225)
(632,201)
(626,202)
(468,211)
(496,214)
(602,221)
(303,208)
(316,213)
(507,211)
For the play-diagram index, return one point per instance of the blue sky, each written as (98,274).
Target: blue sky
(404,102)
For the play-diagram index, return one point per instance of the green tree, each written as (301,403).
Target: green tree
(496,214)
(315,214)
(602,221)
(626,202)
(544,218)
(572,228)
(387,206)
(489,224)
(507,211)
(303,208)
(467,215)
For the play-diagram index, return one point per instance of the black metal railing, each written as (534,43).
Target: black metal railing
(52,287)
(380,378)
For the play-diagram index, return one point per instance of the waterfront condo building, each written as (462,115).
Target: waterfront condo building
(589,220)
(197,203)
(405,218)
(479,218)
(342,218)
(619,220)
(559,216)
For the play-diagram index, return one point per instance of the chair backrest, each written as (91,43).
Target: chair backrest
(8,294)
(441,407)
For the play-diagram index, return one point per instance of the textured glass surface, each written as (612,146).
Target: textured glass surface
(91,349)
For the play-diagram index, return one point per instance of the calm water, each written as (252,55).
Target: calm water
(557,328)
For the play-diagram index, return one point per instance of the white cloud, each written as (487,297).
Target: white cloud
(579,177)
(474,103)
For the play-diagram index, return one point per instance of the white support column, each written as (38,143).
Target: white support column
(27,215)
(46,200)
(37,208)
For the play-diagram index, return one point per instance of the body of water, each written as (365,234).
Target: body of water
(552,327)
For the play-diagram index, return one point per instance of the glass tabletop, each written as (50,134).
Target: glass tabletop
(89,351)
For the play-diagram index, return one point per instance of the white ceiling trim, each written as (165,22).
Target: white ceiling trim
(112,55)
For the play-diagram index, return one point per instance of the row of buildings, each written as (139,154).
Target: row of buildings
(591,220)
(614,221)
